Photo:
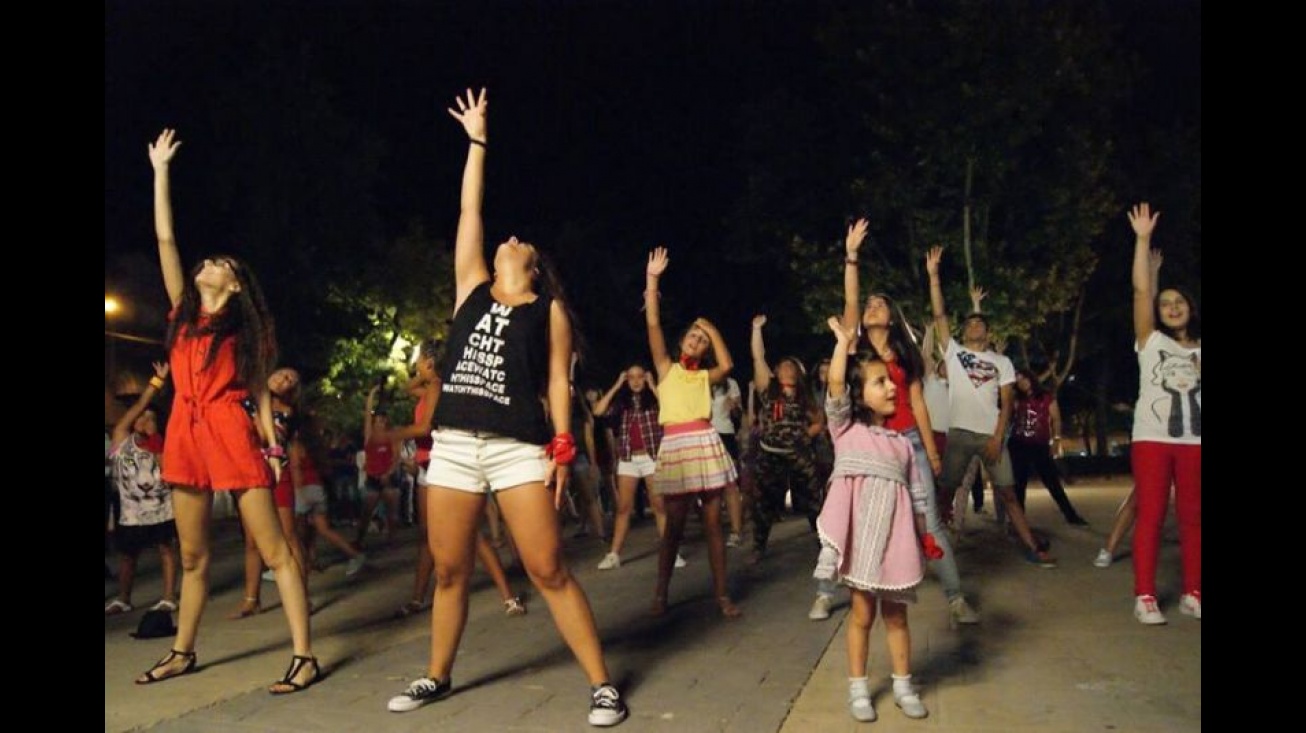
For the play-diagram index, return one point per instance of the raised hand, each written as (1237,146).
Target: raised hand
(1154,260)
(759,321)
(704,325)
(471,113)
(856,235)
(1143,220)
(841,334)
(161,369)
(977,296)
(163,148)
(932,258)
(657,262)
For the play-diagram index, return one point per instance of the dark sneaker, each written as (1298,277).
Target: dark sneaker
(421,691)
(606,707)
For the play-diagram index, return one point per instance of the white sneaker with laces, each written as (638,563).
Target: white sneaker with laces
(1147,612)
(606,707)
(1103,559)
(420,691)
(610,561)
(1190,604)
(821,611)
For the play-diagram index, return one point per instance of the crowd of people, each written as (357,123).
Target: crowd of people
(870,449)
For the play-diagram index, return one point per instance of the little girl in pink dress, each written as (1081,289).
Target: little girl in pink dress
(872,525)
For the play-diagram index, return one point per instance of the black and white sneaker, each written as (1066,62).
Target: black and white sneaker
(606,707)
(421,691)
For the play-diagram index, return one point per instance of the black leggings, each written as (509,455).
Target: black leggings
(1027,456)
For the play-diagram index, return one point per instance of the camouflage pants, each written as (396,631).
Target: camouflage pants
(778,473)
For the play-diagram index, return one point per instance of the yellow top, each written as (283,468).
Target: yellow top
(684,396)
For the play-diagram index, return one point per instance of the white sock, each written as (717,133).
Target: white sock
(858,687)
(902,685)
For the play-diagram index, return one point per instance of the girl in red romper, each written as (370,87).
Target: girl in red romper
(220,341)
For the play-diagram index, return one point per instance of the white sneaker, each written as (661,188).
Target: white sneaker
(1190,604)
(354,565)
(734,540)
(960,612)
(269,576)
(820,612)
(610,561)
(1103,559)
(1147,612)
(421,691)
(680,561)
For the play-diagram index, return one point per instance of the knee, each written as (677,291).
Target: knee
(449,575)
(194,559)
(548,576)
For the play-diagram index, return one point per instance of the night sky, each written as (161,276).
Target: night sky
(617,116)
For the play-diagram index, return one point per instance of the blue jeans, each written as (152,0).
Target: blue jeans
(946,567)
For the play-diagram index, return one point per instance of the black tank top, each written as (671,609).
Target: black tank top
(495,368)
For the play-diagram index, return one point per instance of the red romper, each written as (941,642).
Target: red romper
(211,443)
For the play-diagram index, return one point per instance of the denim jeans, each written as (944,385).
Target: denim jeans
(946,567)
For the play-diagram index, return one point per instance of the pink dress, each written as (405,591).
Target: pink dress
(867,527)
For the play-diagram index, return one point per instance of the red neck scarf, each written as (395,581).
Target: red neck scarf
(688,362)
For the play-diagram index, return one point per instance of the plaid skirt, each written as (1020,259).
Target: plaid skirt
(692,459)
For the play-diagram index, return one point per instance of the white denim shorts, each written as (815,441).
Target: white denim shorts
(640,465)
(469,461)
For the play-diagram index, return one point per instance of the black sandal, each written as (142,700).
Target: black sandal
(149,677)
(297,664)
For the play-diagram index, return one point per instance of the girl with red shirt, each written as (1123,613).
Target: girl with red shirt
(221,344)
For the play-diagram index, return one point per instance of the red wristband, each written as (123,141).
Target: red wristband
(562,449)
(931,547)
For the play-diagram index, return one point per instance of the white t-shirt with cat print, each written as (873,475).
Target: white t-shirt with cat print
(1169,408)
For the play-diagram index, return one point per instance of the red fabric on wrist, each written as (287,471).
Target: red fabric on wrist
(562,449)
(931,546)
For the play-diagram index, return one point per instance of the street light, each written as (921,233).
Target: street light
(111,306)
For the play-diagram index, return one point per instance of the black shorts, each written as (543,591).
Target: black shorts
(379,483)
(130,539)
(732,446)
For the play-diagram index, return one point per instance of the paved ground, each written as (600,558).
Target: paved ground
(1058,650)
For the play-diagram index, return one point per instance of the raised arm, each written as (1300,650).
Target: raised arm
(761,372)
(469,249)
(941,329)
(836,380)
(601,407)
(719,350)
(421,427)
(123,427)
(851,297)
(161,152)
(977,296)
(368,405)
(657,343)
(1154,260)
(1143,222)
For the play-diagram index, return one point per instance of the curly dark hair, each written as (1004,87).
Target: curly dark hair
(246,319)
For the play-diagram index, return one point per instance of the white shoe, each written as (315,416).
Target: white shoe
(610,561)
(960,612)
(680,561)
(734,540)
(1147,612)
(1103,559)
(269,576)
(911,705)
(820,612)
(354,565)
(1190,604)
(861,709)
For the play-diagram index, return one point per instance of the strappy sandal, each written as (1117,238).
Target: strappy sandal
(297,663)
(728,607)
(150,677)
(251,607)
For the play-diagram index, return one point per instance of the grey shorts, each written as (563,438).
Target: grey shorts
(964,445)
(310,500)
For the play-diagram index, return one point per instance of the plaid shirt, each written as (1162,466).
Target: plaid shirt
(646,421)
